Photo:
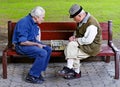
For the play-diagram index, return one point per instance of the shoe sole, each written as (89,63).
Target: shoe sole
(71,78)
(59,74)
(34,82)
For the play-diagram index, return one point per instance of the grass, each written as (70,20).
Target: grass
(58,10)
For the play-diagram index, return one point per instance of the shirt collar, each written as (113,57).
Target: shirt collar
(85,19)
(31,19)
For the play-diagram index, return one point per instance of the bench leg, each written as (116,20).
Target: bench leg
(107,59)
(117,65)
(4,64)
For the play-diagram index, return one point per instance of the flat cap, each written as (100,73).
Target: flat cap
(75,10)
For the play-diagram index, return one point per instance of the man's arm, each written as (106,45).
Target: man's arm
(29,43)
(89,36)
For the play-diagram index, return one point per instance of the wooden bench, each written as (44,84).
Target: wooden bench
(62,31)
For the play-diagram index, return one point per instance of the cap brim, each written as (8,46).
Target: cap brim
(71,16)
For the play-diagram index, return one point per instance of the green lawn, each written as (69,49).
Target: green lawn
(58,10)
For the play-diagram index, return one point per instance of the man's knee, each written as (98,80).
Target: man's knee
(41,53)
(49,49)
(73,43)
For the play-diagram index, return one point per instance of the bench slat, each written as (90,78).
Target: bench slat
(56,35)
(58,26)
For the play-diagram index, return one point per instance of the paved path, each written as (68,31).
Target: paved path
(94,74)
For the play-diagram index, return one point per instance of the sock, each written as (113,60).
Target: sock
(77,70)
(70,63)
(77,66)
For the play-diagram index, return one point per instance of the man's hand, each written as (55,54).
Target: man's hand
(29,43)
(72,38)
(41,45)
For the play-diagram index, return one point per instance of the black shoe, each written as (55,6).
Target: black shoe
(41,78)
(32,79)
(72,75)
(65,71)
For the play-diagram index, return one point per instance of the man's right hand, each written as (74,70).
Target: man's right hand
(41,45)
(72,38)
(29,43)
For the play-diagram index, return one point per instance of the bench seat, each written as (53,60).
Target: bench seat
(105,51)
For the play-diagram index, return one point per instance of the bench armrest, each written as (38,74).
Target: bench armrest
(111,44)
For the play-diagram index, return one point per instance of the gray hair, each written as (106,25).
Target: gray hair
(37,11)
(82,12)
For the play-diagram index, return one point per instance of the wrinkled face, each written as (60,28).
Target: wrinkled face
(78,18)
(40,19)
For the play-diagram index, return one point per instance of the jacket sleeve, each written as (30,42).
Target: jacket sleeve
(89,36)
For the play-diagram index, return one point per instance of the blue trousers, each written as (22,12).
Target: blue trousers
(41,56)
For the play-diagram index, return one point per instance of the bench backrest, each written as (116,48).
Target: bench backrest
(57,30)
(60,30)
